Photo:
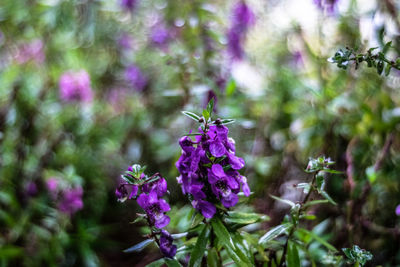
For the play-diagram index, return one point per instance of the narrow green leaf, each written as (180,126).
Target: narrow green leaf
(293,259)
(325,195)
(172,262)
(315,202)
(288,202)
(318,238)
(387,69)
(230,87)
(210,106)
(225,238)
(206,114)
(156,263)
(198,251)
(191,115)
(227,121)
(140,246)
(275,232)
(212,258)
(245,218)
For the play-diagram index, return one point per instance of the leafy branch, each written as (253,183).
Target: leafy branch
(376,60)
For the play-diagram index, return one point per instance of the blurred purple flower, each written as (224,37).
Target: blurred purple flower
(71,201)
(160,35)
(31,189)
(398,210)
(135,77)
(328,6)
(125,41)
(128,5)
(166,246)
(155,209)
(31,51)
(75,86)
(52,186)
(242,18)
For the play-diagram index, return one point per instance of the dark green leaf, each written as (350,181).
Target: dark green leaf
(227,121)
(386,47)
(172,262)
(140,246)
(198,251)
(156,263)
(212,258)
(285,201)
(293,259)
(210,106)
(387,69)
(317,238)
(191,115)
(325,195)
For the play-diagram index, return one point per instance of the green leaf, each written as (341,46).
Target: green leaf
(245,218)
(227,121)
(293,259)
(288,202)
(230,87)
(140,246)
(317,238)
(172,262)
(387,69)
(379,67)
(192,134)
(306,187)
(315,202)
(325,195)
(275,232)
(156,263)
(225,238)
(206,114)
(191,115)
(212,258)
(386,47)
(210,106)
(197,219)
(198,251)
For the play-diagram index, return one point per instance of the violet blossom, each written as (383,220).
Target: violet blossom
(242,18)
(31,51)
(71,201)
(328,6)
(398,210)
(135,77)
(75,86)
(209,168)
(155,209)
(160,35)
(128,5)
(166,246)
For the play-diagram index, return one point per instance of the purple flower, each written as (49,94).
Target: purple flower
(31,51)
(398,210)
(166,246)
(75,86)
(155,209)
(71,201)
(128,5)
(328,6)
(125,41)
(122,193)
(242,18)
(199,171)
(135,77)
(31,189)
(159,186)
(160,35)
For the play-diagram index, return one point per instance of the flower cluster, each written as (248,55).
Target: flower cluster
(69,200)
(209,168)
(242,19)
(75,86)
(152,189)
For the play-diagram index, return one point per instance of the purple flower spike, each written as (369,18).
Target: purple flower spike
(166,246)
(155,209)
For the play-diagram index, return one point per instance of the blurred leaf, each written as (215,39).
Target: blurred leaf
(293,259)
(285,201)
(245,218)
(140,246)
(212,258)
(317,238)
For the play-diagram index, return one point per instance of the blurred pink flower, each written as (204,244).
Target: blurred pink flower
(71,201)
(31,51)
(75,86)
(398,210)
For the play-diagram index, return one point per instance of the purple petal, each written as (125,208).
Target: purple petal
(398,210)
(164,206)
(162,222)
(217,149)
(143,200)
(206,208)
(217,170)
(236,162)
(230,200)
(133,194)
